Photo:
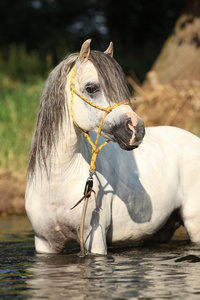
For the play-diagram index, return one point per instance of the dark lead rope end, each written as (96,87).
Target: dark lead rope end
(88,186)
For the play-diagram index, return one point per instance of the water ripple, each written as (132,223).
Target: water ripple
(169,271)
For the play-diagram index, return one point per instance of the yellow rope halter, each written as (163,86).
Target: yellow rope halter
(107,110)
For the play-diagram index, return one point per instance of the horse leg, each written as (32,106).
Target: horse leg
(44,246)
(191,219)
(191,206)
(95,237)
(96,242)
(166,232)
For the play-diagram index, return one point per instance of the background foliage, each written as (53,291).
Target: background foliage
(36,34)
(50,29)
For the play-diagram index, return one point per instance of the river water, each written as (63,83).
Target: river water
(167,271)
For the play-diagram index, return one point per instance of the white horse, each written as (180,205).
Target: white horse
(142,194)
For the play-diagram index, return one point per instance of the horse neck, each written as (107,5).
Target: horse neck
(71,153)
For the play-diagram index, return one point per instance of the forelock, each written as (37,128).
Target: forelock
(111,77)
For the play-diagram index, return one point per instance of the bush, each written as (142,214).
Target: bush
(20,64)
(18,110)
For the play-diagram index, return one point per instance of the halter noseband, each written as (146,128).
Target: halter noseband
(107,110)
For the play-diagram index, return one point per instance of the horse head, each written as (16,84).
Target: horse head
(99,86)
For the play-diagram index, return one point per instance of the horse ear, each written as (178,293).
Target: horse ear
(85,50)
(109,51)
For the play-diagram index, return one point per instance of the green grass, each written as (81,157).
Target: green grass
(18,109)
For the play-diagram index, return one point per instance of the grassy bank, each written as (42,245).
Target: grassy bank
(18,109)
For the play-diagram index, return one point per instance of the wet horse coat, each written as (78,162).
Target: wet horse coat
(138,191)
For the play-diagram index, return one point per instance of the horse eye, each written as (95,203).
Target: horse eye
(92,88)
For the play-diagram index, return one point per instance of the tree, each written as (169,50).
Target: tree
(139,29)
(57,27)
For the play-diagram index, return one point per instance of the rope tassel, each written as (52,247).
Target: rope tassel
(87,193)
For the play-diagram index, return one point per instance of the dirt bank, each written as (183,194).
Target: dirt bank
(12,190)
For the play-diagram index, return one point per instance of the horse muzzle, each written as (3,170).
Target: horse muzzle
(127,135)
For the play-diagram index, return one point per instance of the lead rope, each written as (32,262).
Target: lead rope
(89,183)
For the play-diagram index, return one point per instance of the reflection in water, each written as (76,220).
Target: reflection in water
(137,274)
(152,272)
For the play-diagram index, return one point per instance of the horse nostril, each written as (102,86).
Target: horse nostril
(129,126)
(140,130)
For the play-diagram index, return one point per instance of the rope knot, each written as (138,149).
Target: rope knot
(95,151)
(72,86)
(86,134)
(108,109)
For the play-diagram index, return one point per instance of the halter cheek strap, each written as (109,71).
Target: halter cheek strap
(107,110)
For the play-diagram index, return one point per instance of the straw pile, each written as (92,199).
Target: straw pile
(176,104)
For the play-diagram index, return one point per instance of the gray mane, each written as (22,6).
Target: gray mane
(111,76)
(52,102)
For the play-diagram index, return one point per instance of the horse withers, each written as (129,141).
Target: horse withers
(141,194)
